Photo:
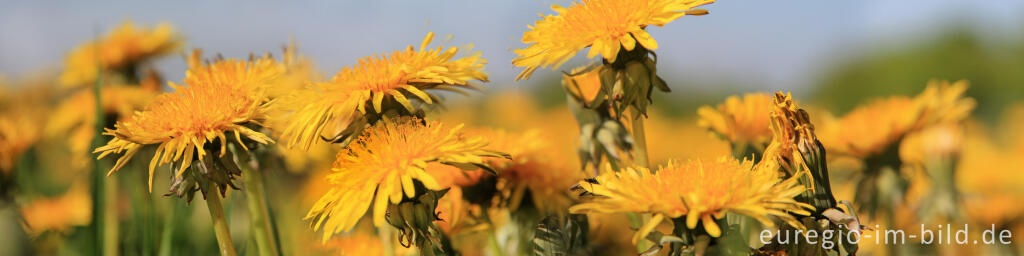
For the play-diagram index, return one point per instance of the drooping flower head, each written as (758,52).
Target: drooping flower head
(744,122)
(602,25)
(701,190)
(385,164)
(380,83)
(126,45)
(218,98)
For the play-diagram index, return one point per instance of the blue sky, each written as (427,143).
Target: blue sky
(761,45)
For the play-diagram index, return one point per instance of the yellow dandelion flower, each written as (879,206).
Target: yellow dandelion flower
(701,190)
(380,167)
(875,128)
(742,121)
(218,98)
(376,82)
(602,25)
(126,45)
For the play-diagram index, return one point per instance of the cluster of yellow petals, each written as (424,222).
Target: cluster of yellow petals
(871,129)
(701,190)
(740,120)
(126,45)
(218,98)
(603,25)
(396,76)
(381,165)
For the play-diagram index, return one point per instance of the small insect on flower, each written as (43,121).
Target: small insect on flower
(217,98)
(602,25)
(383,83)
(699,190)
(125,46)
(386,165)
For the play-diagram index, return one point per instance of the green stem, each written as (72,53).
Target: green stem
(101,194)
(495,246)
(220,224)
(640,139)
(255,195)
(167,235)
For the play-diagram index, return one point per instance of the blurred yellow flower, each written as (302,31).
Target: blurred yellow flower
(73,208)
(871,129)
(125,46)
(991,179)
(381,165)
(379,81)
(22,112)
(602,25)
(534,166)
(225,96)
(74,119)
(741,121)
(701,190)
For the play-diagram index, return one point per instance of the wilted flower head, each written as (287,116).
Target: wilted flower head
(125,46)
(606,26)
(217,98)
(385,165)
(381,83)
(699,190)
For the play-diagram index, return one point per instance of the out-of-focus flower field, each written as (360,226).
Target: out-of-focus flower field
(418,151)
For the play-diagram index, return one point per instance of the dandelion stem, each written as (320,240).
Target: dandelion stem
(220,224)
(640,138)
(255,195)
(167,235)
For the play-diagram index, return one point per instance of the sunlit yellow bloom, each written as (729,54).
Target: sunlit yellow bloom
(740,120)
(74,120)
(872,129)
(376,82)
(126,45)
(73,208)
(380,167)
(225,96)
(700,190)
(602,25)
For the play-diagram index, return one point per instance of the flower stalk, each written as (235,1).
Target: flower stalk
(220,224)
(255,195)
